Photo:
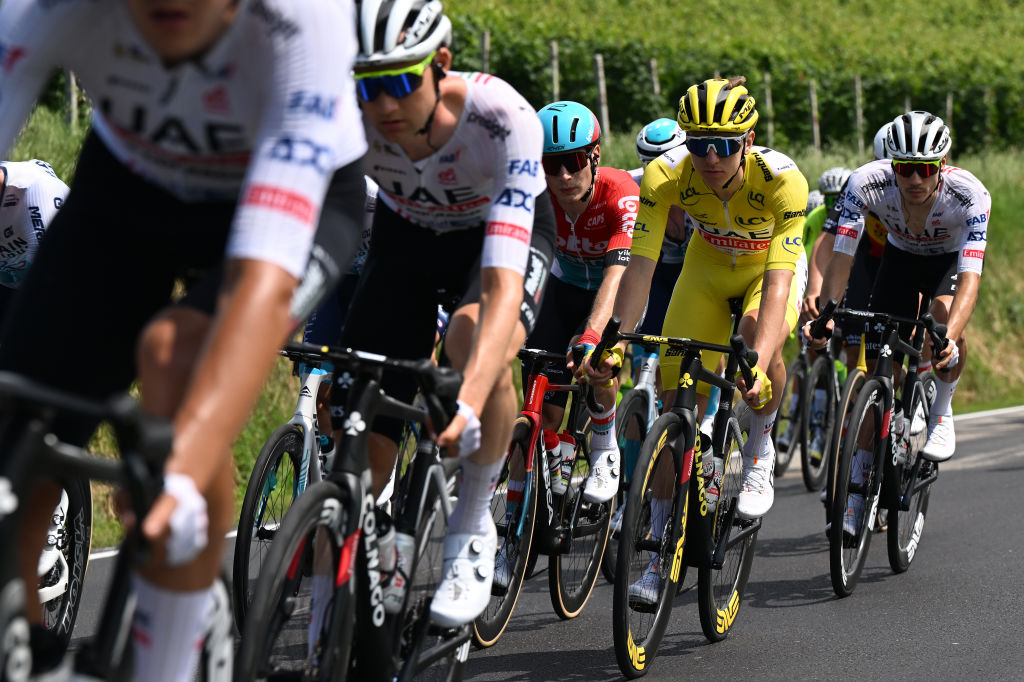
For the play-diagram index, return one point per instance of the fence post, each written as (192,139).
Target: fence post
(655,83)
(485,51)
(906,103)
(949,109)
(554,70)
(858,97)
(602,95)
(815,130)
(769,112)
(71,95)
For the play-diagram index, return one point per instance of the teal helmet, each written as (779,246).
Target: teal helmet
(568,126)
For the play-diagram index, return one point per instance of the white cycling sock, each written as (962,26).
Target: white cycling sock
(602,435)
(943,396)
(861,465)
(168,631)
(759,436)
(323,586)
(472,513)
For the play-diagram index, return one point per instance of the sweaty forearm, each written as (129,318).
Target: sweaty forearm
(633,290)
(967,286)
(771,315)
(604,301)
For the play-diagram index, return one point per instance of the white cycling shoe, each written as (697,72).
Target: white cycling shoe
(468,572)
(757,494)
(603,482)
(941,438)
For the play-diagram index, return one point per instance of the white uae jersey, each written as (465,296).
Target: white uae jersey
(262,118)
(29,198)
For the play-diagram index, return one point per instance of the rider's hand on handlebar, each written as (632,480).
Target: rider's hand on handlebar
(947,358)
(760,394)
(608,368)
(816,344)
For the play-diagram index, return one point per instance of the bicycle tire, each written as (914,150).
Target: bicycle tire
(515,536)
(638,626)
(790,418)
(573,573)
(847,551)
(906,527)
(74,541)
(414,638)
(720,591)
(855,380)
(269,493)
(630,430)
(814,469)
(277,644)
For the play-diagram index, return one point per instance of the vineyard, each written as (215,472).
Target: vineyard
(927,54)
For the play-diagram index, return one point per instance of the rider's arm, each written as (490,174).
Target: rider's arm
(616,255)
(971,261)
(816,268)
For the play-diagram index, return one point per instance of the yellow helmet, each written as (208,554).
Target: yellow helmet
(715,107)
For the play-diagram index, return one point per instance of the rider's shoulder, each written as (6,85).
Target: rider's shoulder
(772,165)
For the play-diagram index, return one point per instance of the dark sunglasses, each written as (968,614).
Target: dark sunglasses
(723,146)
(572,161)
(398,83)
(925,169)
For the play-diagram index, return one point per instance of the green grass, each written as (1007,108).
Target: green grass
(994,378)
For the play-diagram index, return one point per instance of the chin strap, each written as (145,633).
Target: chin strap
(743,161)
(593,180)
(425,130)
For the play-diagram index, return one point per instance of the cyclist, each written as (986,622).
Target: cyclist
(937,217)
(830,184)
(236,153)
(461,213)
(30,195)
(595,207)
(748,205)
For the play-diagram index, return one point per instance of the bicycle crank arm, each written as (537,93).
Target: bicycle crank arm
(729,539)
(914,486)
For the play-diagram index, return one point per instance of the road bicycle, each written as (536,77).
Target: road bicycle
(323,573)
(695,528)
(27,413)
(896,477)
(567,528)
(633,419)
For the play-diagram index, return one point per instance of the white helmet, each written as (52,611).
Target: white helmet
(832,180)
(657,137)
(917,136)
(814,200)
(396,31)
(880,151)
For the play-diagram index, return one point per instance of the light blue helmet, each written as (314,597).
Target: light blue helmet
(568,126)
(657,137)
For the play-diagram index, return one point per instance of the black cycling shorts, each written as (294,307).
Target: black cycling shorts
(902,279)
(863,273)
(110,261)
(409,271)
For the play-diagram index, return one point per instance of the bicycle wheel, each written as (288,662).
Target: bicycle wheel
(416,643)
(720,591)
(60,589)
(855,380)
(850,534)
(572,573)
(630,430)
(819,426)
(272,487)
(300,625)
(646,577)
(906,527)
(515,532)
(788,433)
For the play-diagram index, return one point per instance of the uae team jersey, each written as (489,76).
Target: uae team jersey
(485,177)
(958,221)
(762,222)
(601,235)
(30,197)
(263,118)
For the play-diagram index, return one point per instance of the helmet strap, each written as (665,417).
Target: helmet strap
(425,130)
(743,161)
(593,178)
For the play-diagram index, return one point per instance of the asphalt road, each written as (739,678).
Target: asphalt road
(957,614)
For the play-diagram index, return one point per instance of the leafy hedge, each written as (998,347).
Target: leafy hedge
(914,48)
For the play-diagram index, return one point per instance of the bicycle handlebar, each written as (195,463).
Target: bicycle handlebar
(440,385)
(747,357)
(819,327)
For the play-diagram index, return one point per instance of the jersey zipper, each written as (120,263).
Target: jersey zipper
(728,221)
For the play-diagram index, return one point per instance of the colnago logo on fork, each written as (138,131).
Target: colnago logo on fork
(373,561)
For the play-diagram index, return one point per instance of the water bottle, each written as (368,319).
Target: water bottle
(712,468)
(553,461)
(567,446)
(897,433)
